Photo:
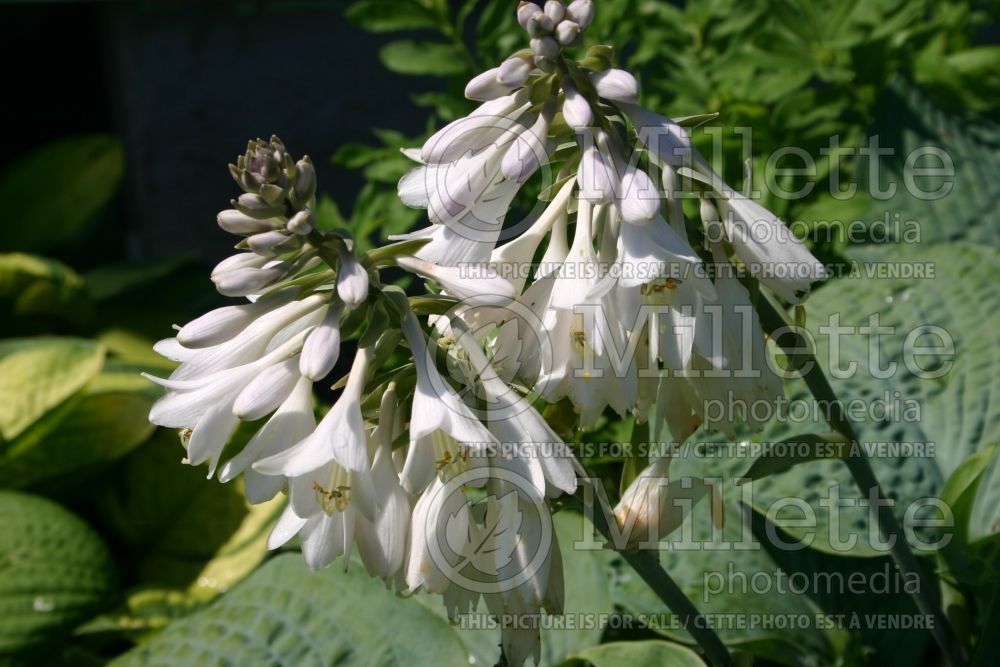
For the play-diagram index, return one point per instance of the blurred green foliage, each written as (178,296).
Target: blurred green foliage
(149,542)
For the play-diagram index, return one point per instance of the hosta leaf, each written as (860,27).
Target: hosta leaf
(37,374)
(650,653)
(54,192)
(54,571)
(714,569)
(181,530)
(284,614)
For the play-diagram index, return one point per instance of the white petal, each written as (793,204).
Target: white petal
(267,391)
(616,85)
(639,198)
(322,347)
(668,142)
(486,86)
(352,280)
(287,527)
(576,109)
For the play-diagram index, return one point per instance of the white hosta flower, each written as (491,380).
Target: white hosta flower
(519,252)
(639,198)
(219,325)
(247,273)
(382,542)
(769,249)
(668,142)
(279,322)
(435,408)
(528,151)
(473,285)
(616,85)
(576,109)
(537,581)
(322,347)
(652,506)
(339,437)
(267,391)
(293,421)
(476,132)
(352,279)
(597,177)
(586,358)
(439,531)
(513,72)
(205,405)
(486,86)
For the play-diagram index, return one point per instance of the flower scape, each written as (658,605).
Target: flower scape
(620,291)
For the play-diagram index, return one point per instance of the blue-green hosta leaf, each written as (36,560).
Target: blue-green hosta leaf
(714,569)
(917,429)
(283,614)
(37,374)
(650,653)
(56,191)
(908,122)
(54,571)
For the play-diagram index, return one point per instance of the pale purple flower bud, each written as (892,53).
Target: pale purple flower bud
(301,223)
(525,11)
(273,243)
(216,326)
(545,47)
(567,32)
(540,25)
(582,12)
(237,222)
(555,10)
(514,72)
(486,86)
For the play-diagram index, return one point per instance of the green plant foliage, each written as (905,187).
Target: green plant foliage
(285,614)
(36,374)
(54,572)
(640,654)
(714,569)
(55,192)
(179,530)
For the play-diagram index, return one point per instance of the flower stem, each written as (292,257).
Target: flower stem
(649,568)
(773,320)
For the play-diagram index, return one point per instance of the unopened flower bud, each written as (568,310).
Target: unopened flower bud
(576,109)
(237,222)
(486,86)
(266,391)
(322,348)
(352,280)
(216,326)
(272,243)
(545,47)
(304,188)
(582,12)
(545,64)
(257,207)
(616,85)
(514,72)
(301,223)
(567,32)
(525,11)
(540,25)
(241,260)
(247,281)
(555,10)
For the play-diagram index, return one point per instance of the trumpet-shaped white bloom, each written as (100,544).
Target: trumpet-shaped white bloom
(339,437)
